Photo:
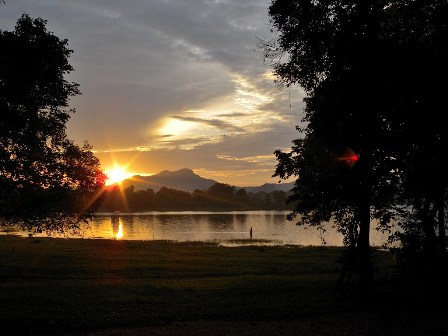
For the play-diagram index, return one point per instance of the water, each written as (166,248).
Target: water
(227,228)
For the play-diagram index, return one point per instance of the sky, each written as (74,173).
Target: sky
(172,84)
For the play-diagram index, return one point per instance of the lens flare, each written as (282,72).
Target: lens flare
(350,157)
(116,175)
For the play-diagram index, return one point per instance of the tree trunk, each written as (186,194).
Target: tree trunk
(428,226)
(363,213)
(365,257)
(441,223)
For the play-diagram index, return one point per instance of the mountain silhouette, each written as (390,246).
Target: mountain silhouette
(270,187)
(185,179)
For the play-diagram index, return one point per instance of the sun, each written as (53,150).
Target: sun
(116,175)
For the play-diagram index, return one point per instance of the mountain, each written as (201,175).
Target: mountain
(270,187)
(185,179)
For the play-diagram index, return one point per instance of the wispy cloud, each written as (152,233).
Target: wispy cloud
(172,84)
(220,124)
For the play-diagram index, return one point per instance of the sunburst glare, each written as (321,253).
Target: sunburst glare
(116,174)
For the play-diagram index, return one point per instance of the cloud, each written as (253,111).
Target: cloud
(172,84)
(222,125)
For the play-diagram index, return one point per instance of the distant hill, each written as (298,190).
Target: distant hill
(185,179)
(270,187)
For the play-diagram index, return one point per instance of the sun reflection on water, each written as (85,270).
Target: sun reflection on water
(120,232)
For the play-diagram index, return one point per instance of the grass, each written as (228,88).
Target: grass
(50,285)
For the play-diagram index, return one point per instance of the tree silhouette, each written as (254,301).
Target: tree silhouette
(47,183)
(221,191)
(363,64)
(425,181)
(241,196)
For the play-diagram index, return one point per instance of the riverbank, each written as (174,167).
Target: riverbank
(102,287)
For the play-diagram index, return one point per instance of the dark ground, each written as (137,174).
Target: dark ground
(103,287)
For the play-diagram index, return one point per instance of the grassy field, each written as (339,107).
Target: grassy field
(75,286)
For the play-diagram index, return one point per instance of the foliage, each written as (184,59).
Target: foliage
(172,199)
(421,95)
(221,191)
(369,69)
(47,183)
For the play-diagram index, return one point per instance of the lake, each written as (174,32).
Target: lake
(227,228)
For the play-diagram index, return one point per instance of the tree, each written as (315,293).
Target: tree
(424,170)
(169,198)
(356,61)
(241,197)
(279,199)
(221,191)
(47,183)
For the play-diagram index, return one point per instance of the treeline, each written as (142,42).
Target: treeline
(218,197)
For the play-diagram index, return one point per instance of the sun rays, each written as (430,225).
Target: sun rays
(116,174)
